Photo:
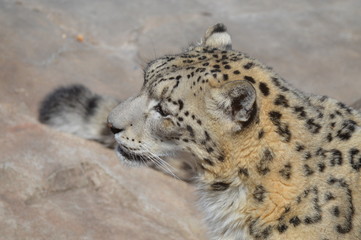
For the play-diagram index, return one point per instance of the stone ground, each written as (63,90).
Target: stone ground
(57,186)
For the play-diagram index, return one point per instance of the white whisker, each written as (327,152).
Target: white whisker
(161,163)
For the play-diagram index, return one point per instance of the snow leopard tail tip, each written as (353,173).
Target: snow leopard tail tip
(77,110)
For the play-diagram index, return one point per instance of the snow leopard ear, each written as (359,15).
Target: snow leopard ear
(235,101)
(217,37)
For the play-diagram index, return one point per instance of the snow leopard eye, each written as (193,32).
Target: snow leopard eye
(161,111)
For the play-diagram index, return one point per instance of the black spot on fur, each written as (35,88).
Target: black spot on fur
(321,152)
(300,111)
(248,65)
(336,211)
(320,115)
(285,172)
(312,126)
(321,167)
(282,228)
(210,149)
(300,147)
(209,162)
(307,155)
(265,233)
(216,71)
(344,107)
(329,137)
(295,221)
(190,130)
(220,186)
(259,193)
(236,72)
(227,67)
(282,128)
(264,88)
(207,136)
(220,158)
(355,158)
(249,79)
(329,196)
(281,100)
(347,129)
(260,134)
(336,157)
(275,116)
(266,159)
(251,227)
(309,220)
(181,104)
(243,171)
(278,84)
(308,170)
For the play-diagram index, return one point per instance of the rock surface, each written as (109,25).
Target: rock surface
(56,186)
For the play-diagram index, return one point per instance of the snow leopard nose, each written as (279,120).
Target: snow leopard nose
(113,129)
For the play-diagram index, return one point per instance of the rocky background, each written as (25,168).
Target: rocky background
(57,186)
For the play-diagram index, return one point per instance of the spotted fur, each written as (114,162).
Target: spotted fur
(272,162)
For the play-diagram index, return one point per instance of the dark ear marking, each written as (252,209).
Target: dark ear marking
(236,100)
(217,37)
(219,27)
(243,101)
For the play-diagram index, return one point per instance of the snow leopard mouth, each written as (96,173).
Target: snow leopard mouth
(124,154)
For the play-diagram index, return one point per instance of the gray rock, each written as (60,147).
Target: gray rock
(56,186)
